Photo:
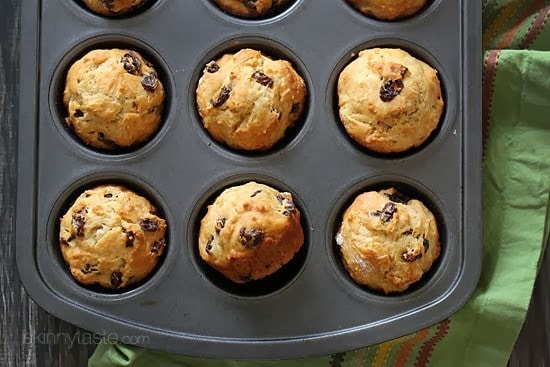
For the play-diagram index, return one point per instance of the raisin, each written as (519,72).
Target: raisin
(108,196)
(280,199)
(263,79)
(398,197)
(411,256)
(66,242)
(387,212)
(109,4)
(131,63)
(212,67)
(78,113)
(407,232)
(252,237)
(108,142)
(149,225)
(295,108)
(290,208)
(220,223)
(116,279)
(222,98)
(256,193)
(251,4)
(130,237)
(157,246)
(390,89)
(79,219)
(150,82)
(88,268)
(426,244)
(208,247)
(403,71)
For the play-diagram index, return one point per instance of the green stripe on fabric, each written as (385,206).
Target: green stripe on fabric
(518,139)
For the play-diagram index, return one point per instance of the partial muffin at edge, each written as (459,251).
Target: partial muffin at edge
(388,9)
(111,8)
(251,8)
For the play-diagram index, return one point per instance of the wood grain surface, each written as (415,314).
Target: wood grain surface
(31,337)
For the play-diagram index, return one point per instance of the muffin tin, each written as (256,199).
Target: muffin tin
(310,307)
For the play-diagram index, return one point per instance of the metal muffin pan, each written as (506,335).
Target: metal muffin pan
(311,306)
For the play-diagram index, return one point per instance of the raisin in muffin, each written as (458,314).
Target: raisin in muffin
(247,100)
(251,8)
(112,237)
(388,9)
(388,100)
(387,240)
(113,7)
(114,99)
(250,232)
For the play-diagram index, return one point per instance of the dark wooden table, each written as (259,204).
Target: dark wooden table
(31,337)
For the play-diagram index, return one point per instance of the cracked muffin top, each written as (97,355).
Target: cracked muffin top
(114,99)
(112,237)
(387,240)
(250,231)
(248,101)
(388,100)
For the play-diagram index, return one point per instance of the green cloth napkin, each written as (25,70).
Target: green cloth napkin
(516,187)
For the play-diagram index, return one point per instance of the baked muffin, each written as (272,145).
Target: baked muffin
(388,100)
(251,8)
(387,240)
(114,99)
(388,9)
(247,100)
(113,7)
(250,232)
(112,237)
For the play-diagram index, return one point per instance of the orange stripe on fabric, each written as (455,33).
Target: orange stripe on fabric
(426,351)
(536,28)
(488,86)
(504,15)
(407,347)
(508,37)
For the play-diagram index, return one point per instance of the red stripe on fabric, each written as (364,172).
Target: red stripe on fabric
(426,351)
(508,37)
(488,86)
(407,347)
(536,28)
